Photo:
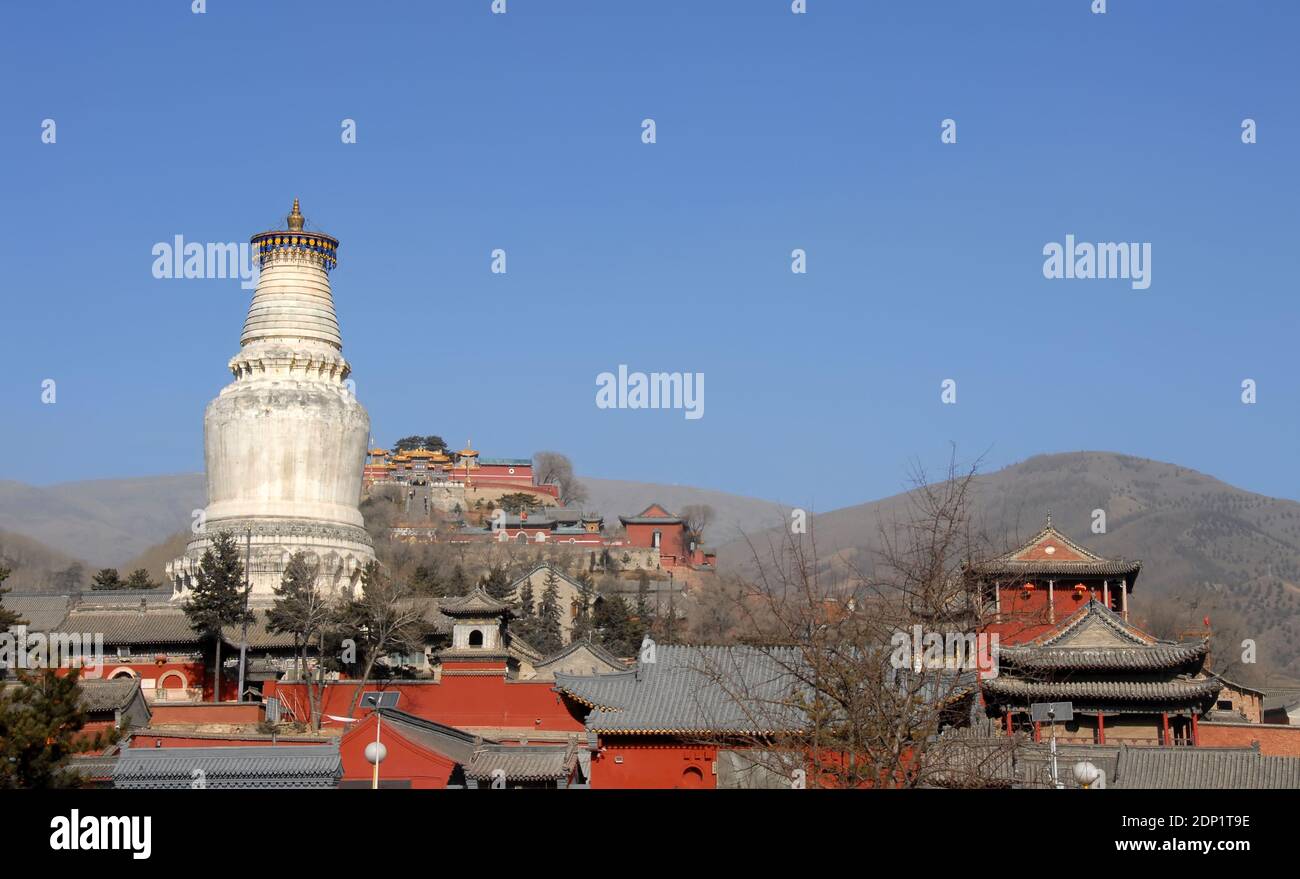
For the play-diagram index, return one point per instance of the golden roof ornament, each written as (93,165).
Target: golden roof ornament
(295,218)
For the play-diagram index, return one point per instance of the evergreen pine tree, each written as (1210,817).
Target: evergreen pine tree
(105,580)
(614,627)
(496,582)
(139,579)
(7,617)
(217,599)
(459,583)
(41,723)
(527,599)
(582,622)
(550,636)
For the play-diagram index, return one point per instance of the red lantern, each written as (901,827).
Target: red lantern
(1079,591)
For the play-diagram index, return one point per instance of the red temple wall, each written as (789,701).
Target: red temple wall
(653,763)
(460,701)
(404,761)
(1275,740)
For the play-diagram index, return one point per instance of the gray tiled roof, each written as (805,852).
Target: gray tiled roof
(94,767)
(596,650)
(164,626)
(1205,769)
(99,694)
(524,762)
(1175,690)
(476,603)
(983,757)
(693,690)
(703,690)
(42,612)
(108,695)
(449,741)
(1155,656)
(255,766)
(684,692)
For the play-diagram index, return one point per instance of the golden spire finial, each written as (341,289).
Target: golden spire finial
(295,218)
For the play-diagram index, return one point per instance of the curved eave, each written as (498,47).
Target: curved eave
(1068,568)
(691,733)
(1154,658)
(1001,689)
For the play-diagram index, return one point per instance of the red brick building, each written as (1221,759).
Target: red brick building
(655,527)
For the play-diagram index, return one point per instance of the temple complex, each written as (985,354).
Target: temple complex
(285,442)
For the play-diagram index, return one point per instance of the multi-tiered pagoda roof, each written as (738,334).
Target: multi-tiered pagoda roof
(1100,662)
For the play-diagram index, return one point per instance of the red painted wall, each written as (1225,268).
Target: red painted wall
(671,548)
(405,761)
(460,701)
(652,762)
(1024,616)
(151,739)
(1274,740)
(206,712)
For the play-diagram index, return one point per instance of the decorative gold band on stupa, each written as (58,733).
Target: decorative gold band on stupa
(294,238)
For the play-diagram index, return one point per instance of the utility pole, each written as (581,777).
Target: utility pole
(243,640)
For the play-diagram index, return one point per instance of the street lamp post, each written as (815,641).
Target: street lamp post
(243,639)
(376,751)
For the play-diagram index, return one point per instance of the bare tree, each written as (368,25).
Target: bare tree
(846,711)
(697,518)
(303,611)
(385,620)
(553,467)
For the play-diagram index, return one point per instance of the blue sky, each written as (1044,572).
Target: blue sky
(775,131)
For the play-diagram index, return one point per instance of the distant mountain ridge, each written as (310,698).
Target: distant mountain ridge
(1192,531)
(108,522)
(1194,534)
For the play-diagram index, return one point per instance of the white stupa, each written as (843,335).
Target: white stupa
(286,441)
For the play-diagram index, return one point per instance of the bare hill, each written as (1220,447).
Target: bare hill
(1193,533)
(104,521)
(122,522)
(35,567)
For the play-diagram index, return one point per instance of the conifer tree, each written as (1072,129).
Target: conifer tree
(41,720)
(139,579)
(496,582)
(459,584)
(549,635)
(582,630)
(301,610)
(217,599)
(106,580)
(7,617)
(527,599)
(614,627)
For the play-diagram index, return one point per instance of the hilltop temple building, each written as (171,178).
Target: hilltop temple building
(286,441)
